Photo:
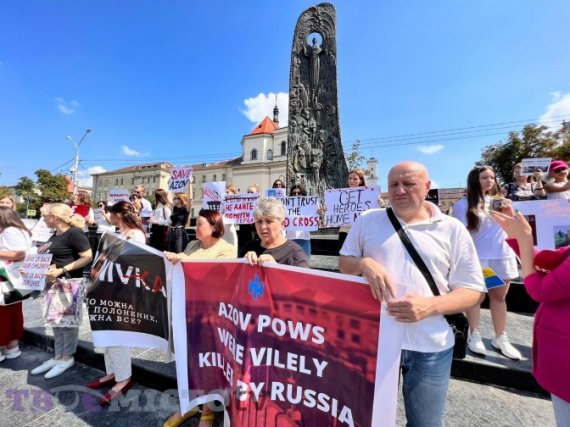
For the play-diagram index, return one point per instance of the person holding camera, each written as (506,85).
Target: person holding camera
(525,187)
(484,194)
(559,186)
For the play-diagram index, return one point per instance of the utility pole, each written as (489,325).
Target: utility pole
(76,162)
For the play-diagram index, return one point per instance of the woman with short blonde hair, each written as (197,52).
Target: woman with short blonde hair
(273,246)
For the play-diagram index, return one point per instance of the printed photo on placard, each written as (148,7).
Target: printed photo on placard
(530,166)
(561,236)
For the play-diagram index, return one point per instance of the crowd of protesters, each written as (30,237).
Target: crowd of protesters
(454,248)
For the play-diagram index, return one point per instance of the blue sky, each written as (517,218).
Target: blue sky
(183,81)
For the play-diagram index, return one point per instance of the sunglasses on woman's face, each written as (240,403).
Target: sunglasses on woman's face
(296,193)
(101,206)
(560,170)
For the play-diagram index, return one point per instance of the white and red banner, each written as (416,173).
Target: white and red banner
(283,346)
(344,205)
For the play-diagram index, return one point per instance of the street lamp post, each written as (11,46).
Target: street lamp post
(76,163)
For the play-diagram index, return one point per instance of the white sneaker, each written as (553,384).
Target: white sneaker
(475,343)
(60,367)
(46,366)
(11,353)
(504,347)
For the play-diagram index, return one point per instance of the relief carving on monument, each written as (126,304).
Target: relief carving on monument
(315,155)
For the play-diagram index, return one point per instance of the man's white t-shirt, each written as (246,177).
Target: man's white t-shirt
(446,248)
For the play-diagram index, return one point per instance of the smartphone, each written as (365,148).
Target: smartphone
(498,204)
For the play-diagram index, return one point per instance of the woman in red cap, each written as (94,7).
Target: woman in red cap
(559,187)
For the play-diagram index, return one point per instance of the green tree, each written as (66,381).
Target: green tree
(355,159)
(26,188)
(531,142)
(53,188)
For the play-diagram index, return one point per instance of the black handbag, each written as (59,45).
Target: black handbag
(458,321)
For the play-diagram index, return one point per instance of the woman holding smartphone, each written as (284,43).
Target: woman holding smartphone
(484,193)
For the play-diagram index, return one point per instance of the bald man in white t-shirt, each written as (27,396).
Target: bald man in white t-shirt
(374,250)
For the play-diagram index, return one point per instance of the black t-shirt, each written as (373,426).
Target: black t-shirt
(179,216)
(289,253)
(66,248)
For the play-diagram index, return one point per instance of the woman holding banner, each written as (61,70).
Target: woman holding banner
(269,215)
(209,245)
(118,358)
(493,252)
(355,179)
(15,241)
(70,251)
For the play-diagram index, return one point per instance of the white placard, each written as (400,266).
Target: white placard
(530,166)
(550,220)
(117,195)
(213,196)
(41,233)
(35,268)
(239,208)
(180,178)
(301,213)
(344,205)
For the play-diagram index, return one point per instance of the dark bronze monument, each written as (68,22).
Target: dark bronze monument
(315,155)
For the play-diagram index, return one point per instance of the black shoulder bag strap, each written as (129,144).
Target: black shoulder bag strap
(416,257)
(458,322)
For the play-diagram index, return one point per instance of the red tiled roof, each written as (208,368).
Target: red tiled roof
(266,126)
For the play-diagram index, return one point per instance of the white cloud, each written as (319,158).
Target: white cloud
(262,105)
(560,106)
(130,152)
(66,107)
(430,149)
(84,178)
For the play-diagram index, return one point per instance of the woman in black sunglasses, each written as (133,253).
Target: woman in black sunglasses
(559,186)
